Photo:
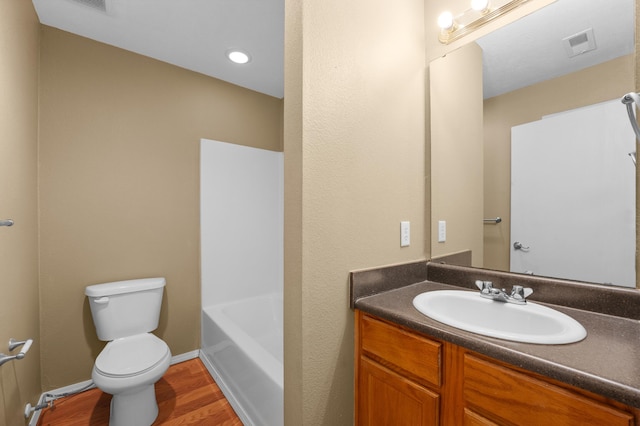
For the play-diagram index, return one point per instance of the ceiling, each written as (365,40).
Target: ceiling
(196,34)
(531,50)
(192,34)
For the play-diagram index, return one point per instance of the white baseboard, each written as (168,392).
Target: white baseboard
(85,384)
(185,357)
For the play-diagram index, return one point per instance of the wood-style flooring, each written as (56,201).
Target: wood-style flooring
(186,395)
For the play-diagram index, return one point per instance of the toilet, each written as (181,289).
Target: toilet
(124,314)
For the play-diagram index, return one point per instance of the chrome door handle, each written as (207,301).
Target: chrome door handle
(519,246)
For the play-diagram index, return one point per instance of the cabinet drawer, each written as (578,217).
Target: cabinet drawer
(414,354)
(474,419)
(505,394)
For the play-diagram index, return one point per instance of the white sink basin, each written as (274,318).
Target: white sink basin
(530,323)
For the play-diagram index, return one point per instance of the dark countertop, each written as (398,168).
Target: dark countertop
(606,362)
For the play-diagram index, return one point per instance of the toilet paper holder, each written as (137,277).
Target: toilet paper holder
(13,344)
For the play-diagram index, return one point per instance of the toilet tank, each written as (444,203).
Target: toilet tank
(125,308)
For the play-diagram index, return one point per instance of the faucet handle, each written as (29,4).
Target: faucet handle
(521,293)
(484,286)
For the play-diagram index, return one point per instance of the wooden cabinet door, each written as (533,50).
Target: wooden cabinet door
(388,399)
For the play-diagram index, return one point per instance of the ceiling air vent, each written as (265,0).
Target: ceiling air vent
(100,5)
(579,43)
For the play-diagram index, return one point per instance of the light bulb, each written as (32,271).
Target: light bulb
(480,5)
(445,20)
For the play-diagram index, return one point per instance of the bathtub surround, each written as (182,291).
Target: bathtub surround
(241,222)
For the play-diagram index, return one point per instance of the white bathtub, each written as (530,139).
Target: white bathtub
(242,349)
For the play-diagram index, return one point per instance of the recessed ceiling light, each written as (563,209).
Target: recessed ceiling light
(238,56)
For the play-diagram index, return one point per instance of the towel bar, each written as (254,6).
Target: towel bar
(494,220)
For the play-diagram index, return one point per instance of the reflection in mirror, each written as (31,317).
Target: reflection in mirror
(541,69)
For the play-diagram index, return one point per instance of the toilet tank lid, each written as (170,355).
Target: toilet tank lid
(120,287)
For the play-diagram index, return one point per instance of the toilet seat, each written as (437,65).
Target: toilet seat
(131,356)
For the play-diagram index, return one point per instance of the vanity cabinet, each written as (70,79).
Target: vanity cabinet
(406,378)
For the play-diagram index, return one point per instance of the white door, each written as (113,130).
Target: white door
(573,196)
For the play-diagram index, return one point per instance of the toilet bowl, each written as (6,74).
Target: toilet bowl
(131,379)
(133,360)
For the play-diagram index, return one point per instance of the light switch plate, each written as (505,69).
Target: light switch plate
(442,231)
(405,233)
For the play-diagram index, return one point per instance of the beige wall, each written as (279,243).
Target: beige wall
(456,152)
(354,154)
(19,380)
(600,83)
(293,289)
(119,185)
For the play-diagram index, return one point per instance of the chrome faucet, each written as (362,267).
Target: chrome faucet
(518,293)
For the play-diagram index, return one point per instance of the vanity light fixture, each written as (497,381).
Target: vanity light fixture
(238,56)
(480,13)
(445,21)
(480,5)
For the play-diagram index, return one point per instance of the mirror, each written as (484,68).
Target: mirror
(521,82)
